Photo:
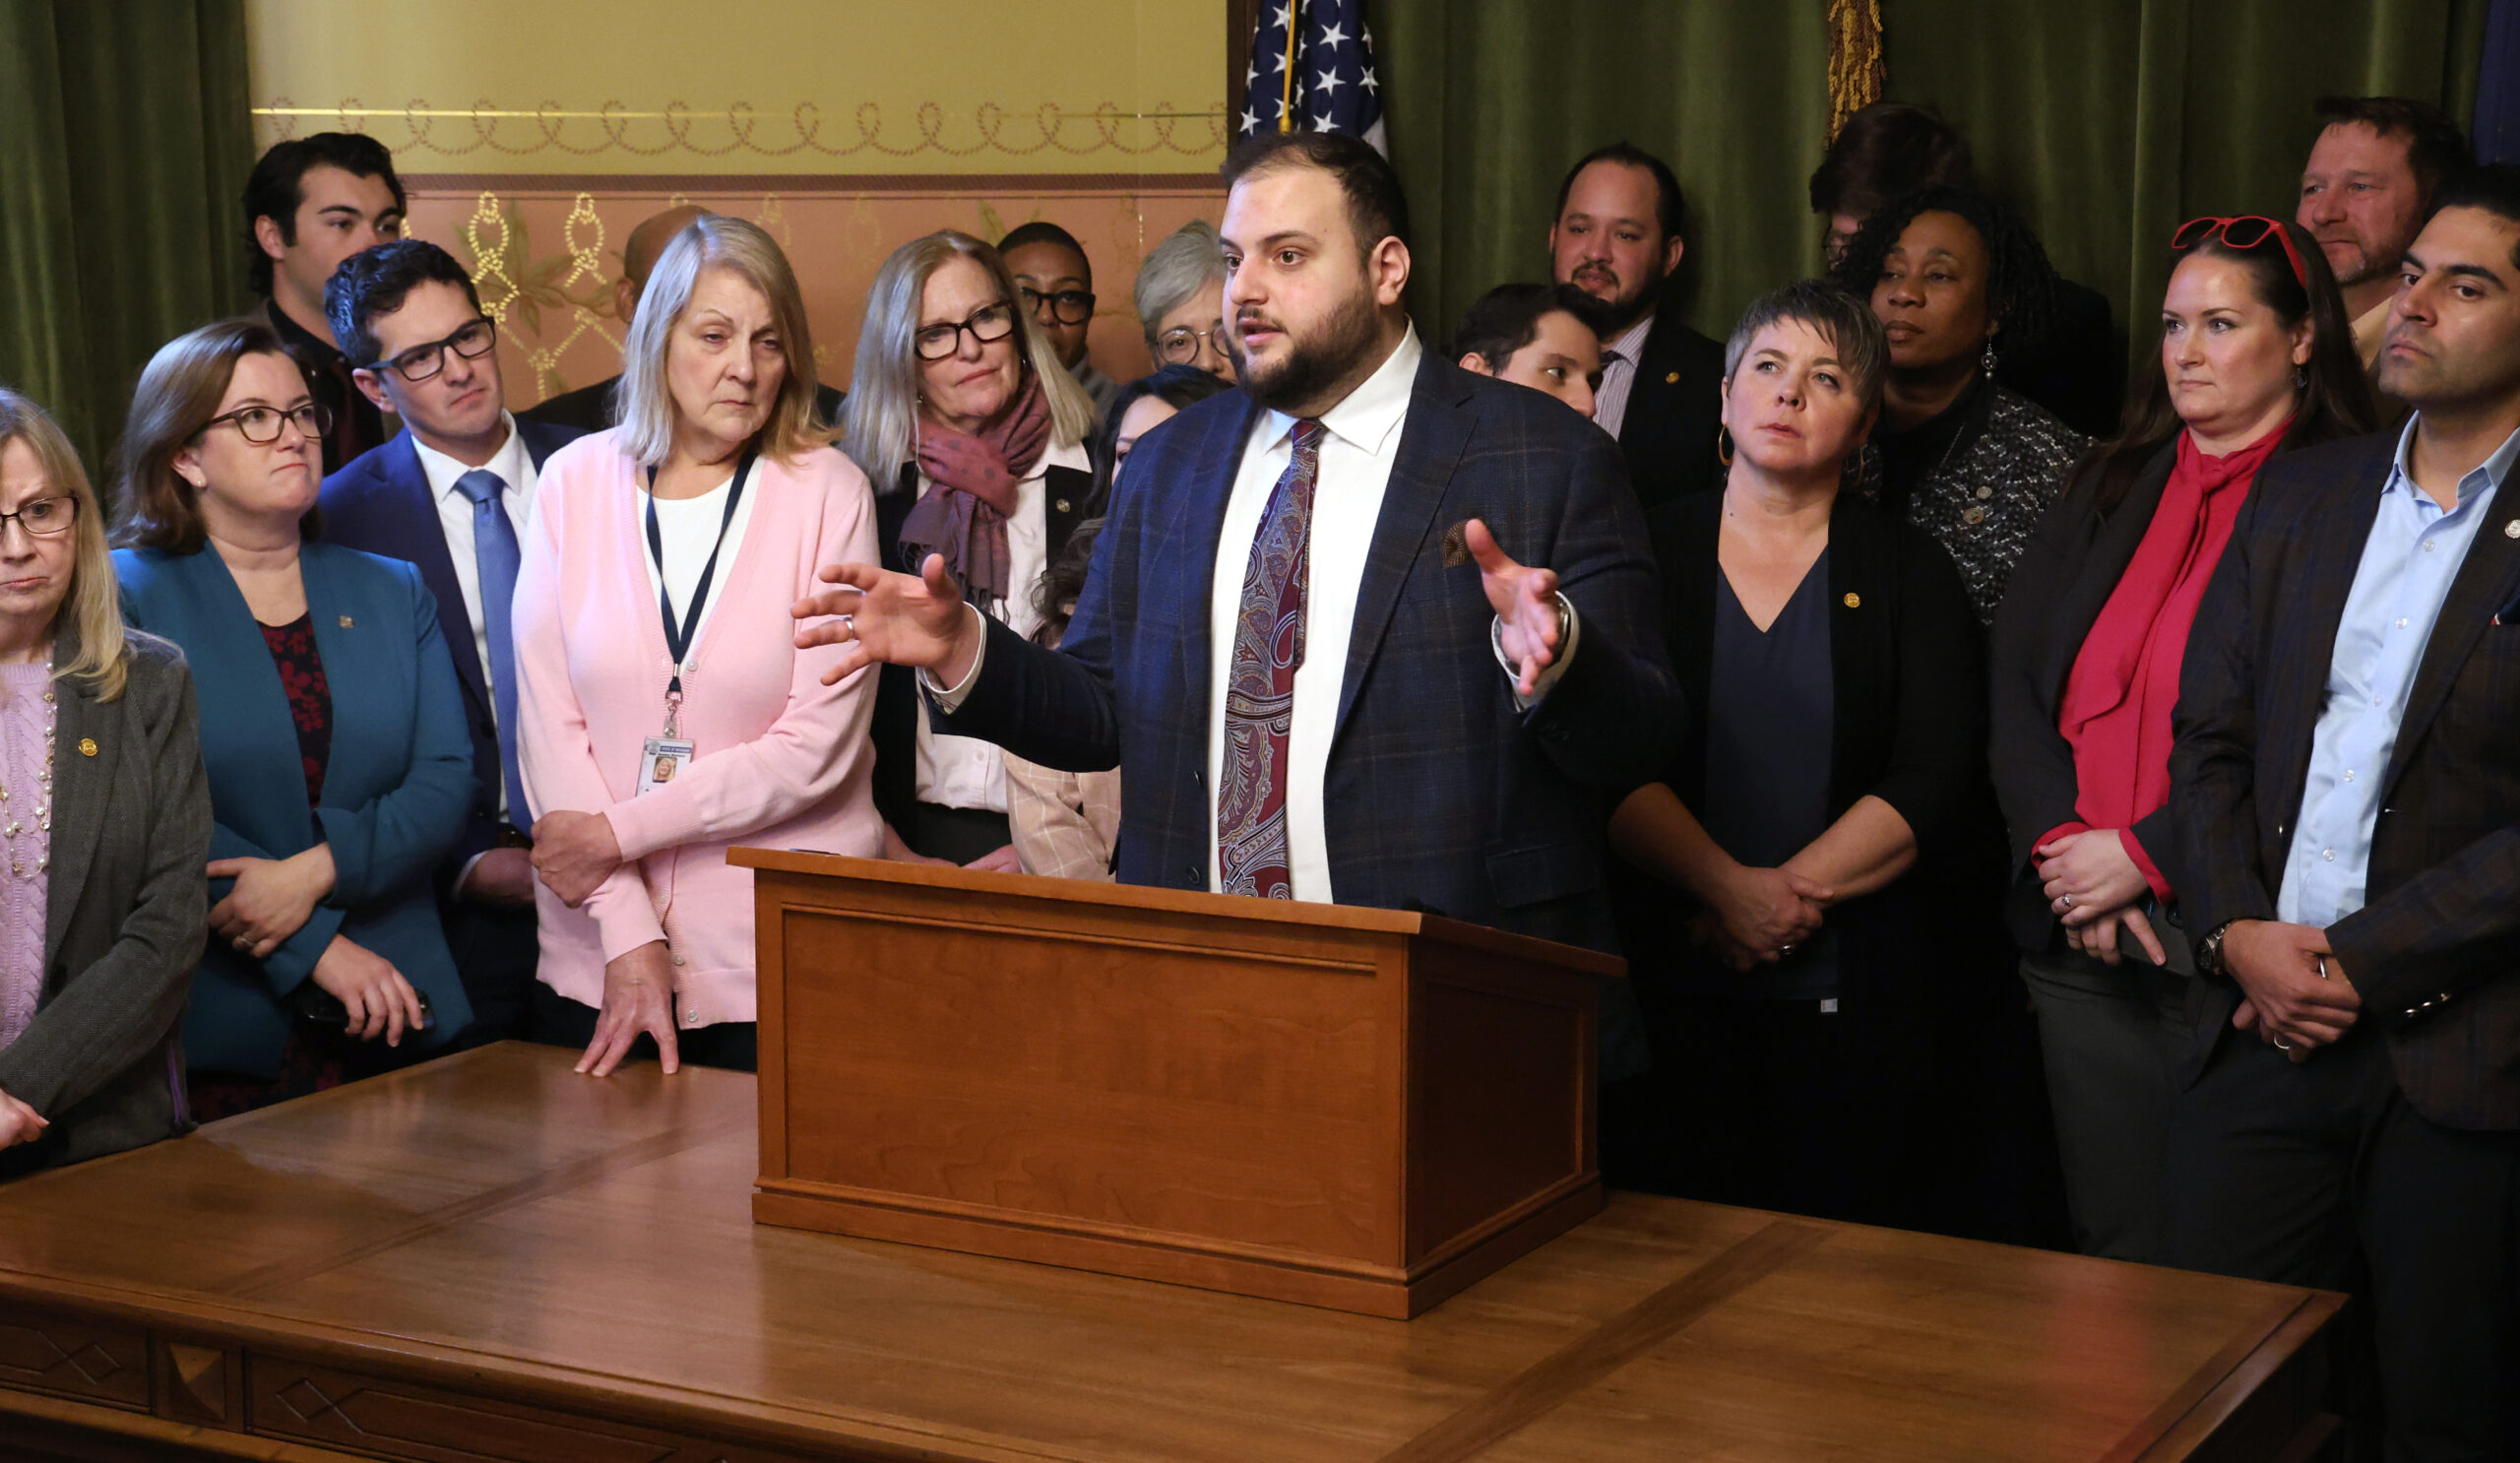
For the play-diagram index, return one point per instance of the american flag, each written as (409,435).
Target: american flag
(1322,80)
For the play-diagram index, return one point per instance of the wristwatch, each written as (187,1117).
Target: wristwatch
(2209,951)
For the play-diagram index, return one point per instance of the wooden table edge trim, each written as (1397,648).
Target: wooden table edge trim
(2230,1377)
(1547,1385)
(522,1380)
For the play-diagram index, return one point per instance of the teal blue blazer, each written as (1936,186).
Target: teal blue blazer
(396,790)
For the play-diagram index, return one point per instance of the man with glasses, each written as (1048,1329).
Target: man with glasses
(450,495)
(1057,283)
(589,408)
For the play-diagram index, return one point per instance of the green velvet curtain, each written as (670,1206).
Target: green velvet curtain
(2106,121)
(125,137)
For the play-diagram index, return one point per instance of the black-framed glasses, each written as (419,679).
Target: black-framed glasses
(476,338)
(261,425)
(989,325)
(43,518)
(1181,345)
(1066,307)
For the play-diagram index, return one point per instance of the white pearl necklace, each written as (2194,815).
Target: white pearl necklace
(10,825)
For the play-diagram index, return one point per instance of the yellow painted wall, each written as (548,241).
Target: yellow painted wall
(681,87)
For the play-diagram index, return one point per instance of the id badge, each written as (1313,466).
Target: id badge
(661,761)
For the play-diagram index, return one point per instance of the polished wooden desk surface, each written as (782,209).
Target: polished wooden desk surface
(490,1256)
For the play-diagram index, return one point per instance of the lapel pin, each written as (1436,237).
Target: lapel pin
(2511,530)
(87,746)
(345,622)
(1853,600)
(1673,379)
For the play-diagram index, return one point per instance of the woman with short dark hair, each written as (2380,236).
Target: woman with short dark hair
(2256,358)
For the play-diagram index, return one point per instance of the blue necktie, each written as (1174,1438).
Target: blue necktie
(495,556)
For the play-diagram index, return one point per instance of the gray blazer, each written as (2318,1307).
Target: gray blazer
(125,918)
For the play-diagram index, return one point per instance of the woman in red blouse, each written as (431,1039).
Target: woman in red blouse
(2256,358)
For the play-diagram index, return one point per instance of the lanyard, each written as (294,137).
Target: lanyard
(678,637)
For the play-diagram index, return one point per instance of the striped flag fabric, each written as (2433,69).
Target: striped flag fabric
(1313,70)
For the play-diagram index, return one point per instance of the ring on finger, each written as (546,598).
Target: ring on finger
(2065,901)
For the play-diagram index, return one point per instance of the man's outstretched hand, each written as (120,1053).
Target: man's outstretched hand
(1526,603)
(896,619)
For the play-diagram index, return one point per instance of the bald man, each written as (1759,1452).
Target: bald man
(590,407)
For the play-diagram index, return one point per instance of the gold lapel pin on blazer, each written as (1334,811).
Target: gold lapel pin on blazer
(345,622)
(87,746)
(1853,600)
(2511,530)
(1674,379)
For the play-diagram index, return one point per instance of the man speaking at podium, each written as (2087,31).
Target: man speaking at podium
(1306,639)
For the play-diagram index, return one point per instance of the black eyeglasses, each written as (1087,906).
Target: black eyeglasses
(44,518)
(989,325)
(1066,307)
(1181,345)
(261,425)
(474,341)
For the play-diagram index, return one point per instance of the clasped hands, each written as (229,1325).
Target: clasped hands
(2097,892)
(1757,915)
(2294,994)
(879,616)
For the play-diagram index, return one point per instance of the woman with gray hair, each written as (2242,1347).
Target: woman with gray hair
(665,713)
(963,416)
(1180,300)
(1803,902)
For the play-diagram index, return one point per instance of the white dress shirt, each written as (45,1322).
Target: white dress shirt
(515,468)
(965,771)
(1619,375)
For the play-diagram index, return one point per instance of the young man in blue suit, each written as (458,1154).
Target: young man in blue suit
(450,495)
(1348,694)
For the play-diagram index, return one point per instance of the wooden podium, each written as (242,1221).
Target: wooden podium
(1359,1108)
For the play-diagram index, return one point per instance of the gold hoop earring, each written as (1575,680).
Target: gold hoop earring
(1724,445)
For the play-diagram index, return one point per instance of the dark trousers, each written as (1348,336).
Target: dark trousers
(562,1022)
(497,951)
(2113,1041)
(2292,1172)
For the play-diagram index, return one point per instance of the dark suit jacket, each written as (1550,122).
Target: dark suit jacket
(1675,410)
(1908,679)
(2071,565)
(381,504)
(125,915)
(2435,949)
(1440,793)
(395,789)
(1066,501)
(589,408)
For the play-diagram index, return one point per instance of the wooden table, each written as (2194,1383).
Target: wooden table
(489,1257)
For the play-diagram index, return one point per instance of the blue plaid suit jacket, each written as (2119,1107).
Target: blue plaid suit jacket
(2435,951)
(1442,795)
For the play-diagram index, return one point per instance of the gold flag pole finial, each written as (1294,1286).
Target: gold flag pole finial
(1856,73)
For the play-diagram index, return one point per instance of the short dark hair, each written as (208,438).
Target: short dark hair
(1847,320)
(2435,147)
(2494,188)
(1507,318)
(1376,207)
(1885,150)
(2021,284)
(375,281)
(276,187)
(1040,231)
(1670,206)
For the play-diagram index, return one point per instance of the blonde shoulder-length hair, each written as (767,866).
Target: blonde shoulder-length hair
(94,601)
(716,241)
(879,423)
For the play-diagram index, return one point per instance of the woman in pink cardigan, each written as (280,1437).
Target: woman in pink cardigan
(665,714)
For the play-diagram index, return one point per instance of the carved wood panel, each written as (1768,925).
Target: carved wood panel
(74,1358)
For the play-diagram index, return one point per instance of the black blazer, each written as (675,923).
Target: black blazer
(2435,949)
(1908,671)
(381,504)
(1675,410)
(1066,501)
(2071,565)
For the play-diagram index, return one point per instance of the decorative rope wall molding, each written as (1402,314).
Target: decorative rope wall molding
(617,129)
(1856,73)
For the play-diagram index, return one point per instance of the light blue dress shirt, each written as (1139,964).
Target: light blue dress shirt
(2408,563)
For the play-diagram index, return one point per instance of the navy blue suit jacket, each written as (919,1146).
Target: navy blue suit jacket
(396,787)
(1441,793)
(380,503)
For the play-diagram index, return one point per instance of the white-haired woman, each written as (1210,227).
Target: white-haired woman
(962,415)
(664,710)
(1180,300)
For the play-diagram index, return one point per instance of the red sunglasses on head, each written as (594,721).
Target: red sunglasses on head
(2244,234)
